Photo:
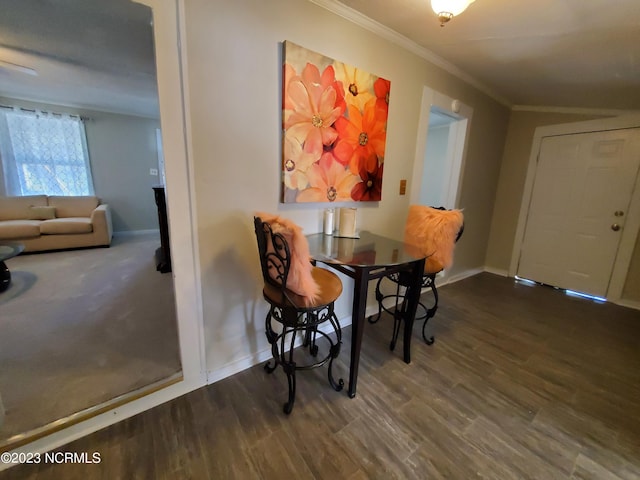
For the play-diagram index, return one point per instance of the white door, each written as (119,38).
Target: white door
(581,196)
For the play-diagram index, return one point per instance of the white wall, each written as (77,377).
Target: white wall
(123,150)
(234,65)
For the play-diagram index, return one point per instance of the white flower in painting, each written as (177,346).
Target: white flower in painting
(295,164)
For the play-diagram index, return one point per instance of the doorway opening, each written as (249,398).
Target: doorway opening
(441,146)
(439,159)
(440,150)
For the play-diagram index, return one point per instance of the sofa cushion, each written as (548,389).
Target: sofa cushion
(80,206)
(13,229)
(42,213)
(66,226)
(17,208)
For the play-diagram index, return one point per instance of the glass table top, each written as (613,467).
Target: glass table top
(10,250)
(369,250)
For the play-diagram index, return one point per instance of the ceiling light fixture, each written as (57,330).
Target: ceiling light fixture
(447,9)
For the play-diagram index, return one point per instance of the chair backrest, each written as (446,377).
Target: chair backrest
(287,261)
(275,256)
(435,230)
(461,231)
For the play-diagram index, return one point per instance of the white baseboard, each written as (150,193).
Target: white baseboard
(131,233)
(238,366)
(497,271)
(461,276)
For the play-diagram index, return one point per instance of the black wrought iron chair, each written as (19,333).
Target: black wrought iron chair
(423,224)
(299,316)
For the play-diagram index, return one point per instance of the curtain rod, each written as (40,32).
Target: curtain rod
(33,110)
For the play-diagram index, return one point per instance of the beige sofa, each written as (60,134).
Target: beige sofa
(42,222)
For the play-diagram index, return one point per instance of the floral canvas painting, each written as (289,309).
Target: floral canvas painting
(334,129)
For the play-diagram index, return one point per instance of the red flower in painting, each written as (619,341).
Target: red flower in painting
(370,188)
(315,102)
(360,137)
(382,87)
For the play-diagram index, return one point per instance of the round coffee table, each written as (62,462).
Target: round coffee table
(7,251)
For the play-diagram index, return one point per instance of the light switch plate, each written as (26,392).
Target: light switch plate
(153,171)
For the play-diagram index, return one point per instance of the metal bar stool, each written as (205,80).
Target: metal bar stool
(298,315)
(436,230)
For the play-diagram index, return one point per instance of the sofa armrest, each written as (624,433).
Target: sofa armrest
(102,226)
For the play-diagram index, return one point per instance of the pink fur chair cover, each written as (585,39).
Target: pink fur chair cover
(434,232)
(300,279)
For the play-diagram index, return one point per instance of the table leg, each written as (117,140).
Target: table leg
(412,306)
(360,279)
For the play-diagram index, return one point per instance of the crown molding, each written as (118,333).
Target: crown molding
(367,23)
(573,110)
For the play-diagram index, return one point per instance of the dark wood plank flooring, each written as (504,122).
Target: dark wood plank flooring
(522,382)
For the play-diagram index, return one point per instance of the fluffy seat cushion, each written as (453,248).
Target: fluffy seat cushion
(300,279)
(434,232)
(330,288)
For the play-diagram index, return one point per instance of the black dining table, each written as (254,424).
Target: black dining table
(366,258)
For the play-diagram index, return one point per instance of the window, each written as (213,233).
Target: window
(43,153)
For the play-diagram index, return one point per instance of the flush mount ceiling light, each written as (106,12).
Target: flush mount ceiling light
(447,9)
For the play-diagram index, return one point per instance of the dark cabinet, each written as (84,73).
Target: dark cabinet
(163,254)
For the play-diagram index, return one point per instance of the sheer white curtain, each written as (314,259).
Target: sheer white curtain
(43,153)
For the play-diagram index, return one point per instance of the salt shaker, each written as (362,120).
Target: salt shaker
(328,221)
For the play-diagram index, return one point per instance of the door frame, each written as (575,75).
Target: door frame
(458,140)
(632,221)
(168,21)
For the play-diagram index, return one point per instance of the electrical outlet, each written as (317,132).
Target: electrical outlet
(153,171)
(403,187)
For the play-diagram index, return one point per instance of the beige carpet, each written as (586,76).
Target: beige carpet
(78,328)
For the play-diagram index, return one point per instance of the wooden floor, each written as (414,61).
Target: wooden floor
(522,382)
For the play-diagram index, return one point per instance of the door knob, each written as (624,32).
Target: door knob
(615,227)
(619,213)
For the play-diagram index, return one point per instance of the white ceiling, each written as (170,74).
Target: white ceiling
(98,54)
(560,53)
(93,54)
